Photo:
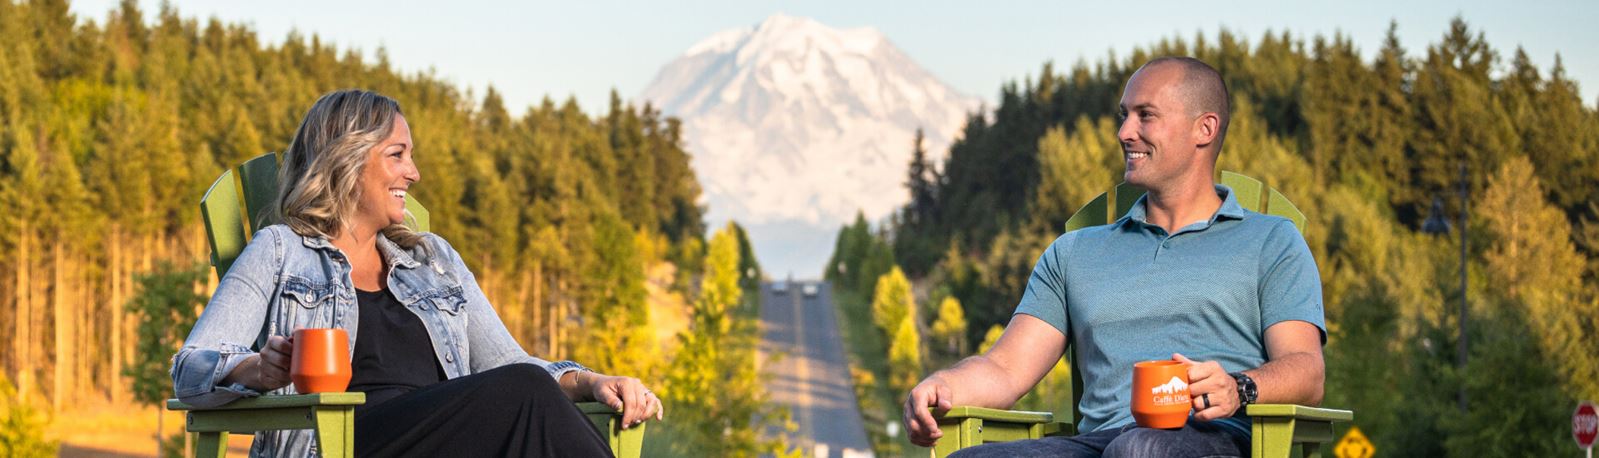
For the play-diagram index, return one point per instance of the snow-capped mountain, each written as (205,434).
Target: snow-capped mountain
(795,126)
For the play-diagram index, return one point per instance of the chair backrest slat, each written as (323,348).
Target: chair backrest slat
(259,178)
(224,227)
(1278,205)
(1247,190)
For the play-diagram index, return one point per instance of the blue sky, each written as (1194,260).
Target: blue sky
(528,50)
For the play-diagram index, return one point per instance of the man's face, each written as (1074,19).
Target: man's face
(1156,131)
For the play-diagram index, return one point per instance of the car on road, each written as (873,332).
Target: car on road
(780,287)
(810,289)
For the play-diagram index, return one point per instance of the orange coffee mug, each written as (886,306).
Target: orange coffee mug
(321,361)
(1160,394)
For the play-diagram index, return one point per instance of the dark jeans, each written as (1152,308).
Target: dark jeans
(1197,439)
(513,410)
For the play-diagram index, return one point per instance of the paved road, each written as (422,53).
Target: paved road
(812,379)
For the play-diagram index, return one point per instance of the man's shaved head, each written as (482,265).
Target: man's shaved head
(1201,89)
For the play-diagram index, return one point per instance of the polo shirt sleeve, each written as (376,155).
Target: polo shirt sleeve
(1290,286)
(1045,297)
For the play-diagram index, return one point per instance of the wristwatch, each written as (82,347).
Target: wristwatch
(1246,390)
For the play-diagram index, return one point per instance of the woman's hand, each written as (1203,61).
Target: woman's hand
(627,395)
(267,370)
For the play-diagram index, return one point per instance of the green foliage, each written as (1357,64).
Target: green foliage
(1073,170)
(894,313)
(859,257)
(892,302)
(618,339)
(905,357)
(112,127)
(165,308)
(22,426)
(714,393)
(949,330)
(1362,147)
(1534,258)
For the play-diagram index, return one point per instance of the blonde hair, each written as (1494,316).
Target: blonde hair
(319,181)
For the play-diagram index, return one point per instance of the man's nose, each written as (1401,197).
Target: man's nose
(1128,132)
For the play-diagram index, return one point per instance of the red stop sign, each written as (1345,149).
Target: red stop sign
(1584,424)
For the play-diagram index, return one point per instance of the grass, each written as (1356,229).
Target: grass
(867,350)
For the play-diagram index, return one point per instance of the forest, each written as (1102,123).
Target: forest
(1364,143)
(582,229)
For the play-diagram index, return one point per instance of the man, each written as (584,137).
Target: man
(1187,274)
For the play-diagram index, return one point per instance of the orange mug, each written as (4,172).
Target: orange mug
(1160,394)
(321,361)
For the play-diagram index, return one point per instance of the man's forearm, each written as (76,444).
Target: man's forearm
(1295,378)
(980,381)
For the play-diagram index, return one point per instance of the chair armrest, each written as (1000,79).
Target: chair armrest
(1298,412)
(279,401)
(983,413)
(625,443)
(966,426)
(1283,430)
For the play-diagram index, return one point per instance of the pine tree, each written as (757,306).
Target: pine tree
(1540,272)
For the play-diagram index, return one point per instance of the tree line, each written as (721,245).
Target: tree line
(1364,146)
(111,130)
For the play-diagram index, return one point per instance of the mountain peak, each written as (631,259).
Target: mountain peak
(797,124)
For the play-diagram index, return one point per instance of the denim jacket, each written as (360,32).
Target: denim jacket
(283,282)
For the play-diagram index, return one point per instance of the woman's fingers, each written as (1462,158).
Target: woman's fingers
(275,361)
(633,396)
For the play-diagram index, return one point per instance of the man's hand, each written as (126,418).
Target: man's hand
(627,395)
(1207,381)
(918,417)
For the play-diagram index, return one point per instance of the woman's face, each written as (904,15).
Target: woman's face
(386,178)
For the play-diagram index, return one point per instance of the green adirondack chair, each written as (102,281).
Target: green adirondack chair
(1279,430)
(235,202)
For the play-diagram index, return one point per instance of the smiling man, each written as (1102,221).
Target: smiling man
(1187,274)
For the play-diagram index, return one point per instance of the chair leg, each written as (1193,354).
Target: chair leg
(335,431)
(211,445)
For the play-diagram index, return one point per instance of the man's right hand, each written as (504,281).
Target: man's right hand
(932,394)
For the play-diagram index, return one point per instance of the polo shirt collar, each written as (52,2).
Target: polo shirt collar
(1229,208)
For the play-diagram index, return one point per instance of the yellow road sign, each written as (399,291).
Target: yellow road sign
(1354,445)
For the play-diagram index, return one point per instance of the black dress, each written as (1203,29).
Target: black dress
(411,410)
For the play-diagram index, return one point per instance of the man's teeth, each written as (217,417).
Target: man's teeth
(1137,155)
(397,193)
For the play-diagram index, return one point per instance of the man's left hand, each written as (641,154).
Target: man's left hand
(1208,379)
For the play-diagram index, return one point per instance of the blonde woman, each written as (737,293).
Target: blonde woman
(443,376)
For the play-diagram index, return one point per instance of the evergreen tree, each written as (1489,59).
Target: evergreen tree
(1535,268)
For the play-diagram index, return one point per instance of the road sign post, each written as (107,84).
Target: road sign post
(1585,426)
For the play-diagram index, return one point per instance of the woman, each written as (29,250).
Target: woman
(443,376)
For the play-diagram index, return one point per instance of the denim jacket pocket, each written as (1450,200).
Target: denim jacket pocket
(302,295)
(450,301)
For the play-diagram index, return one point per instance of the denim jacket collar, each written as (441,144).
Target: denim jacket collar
(390,251)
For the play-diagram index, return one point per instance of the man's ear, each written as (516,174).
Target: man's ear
(1207,127)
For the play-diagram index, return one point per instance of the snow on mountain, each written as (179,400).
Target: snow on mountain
(795,126)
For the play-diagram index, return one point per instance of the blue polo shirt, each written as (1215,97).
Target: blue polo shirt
(1127,292)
